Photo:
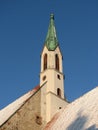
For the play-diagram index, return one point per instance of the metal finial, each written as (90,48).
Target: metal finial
(52,16)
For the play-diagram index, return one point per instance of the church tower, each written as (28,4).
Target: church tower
(52,93)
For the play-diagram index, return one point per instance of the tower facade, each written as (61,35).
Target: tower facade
(52,93)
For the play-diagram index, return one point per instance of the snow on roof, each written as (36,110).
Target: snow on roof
(8,111)
(82,114)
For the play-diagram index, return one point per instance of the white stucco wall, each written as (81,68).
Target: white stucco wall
(50,102)
(51,58)
(54,105)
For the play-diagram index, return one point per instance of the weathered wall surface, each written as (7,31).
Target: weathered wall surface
(27,117)
(82,114)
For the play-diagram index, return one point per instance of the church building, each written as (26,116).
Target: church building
(45,107)
(48,97)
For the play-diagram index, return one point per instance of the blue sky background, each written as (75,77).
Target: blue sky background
(23,29)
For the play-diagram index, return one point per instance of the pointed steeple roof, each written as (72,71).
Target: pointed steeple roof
(51,41)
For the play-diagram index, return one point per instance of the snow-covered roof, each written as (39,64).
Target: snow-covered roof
(8,111)
(82,114)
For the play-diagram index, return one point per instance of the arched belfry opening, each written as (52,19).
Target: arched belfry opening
(59,92)
(45,62)
(57,62)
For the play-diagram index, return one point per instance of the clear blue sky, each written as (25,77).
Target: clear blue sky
(23,29)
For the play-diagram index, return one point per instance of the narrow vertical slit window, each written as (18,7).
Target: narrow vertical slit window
(56,62)
(58,92)
(45,62)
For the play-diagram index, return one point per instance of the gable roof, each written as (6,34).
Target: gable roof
(82,114)
(8,111)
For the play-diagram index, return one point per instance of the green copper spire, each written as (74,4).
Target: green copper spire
(51,41)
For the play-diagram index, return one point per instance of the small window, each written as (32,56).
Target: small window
(59,92)
(44,77)
(57,62)
(58,76)
(45,62)
(60,107)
